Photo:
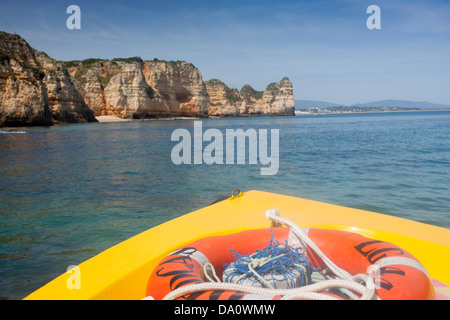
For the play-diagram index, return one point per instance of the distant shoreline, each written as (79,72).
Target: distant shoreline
(301,112)
(112,119)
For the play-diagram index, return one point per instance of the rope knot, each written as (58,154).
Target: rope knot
(275,266)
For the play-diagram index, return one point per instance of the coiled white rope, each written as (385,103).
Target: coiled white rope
(274,215)
(345,280)
(288,293)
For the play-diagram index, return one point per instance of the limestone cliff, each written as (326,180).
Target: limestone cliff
(35,89)
(38,90)
(128,95)
(179,85)
(224,102)
(276,100)
(136,89)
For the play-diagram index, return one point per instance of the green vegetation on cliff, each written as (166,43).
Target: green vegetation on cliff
(247,92)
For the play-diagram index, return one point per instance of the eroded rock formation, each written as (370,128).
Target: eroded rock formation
(35,89)
(38,90)
(276,100)
(136,89)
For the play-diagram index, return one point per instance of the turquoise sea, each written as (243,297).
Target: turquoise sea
(69,192)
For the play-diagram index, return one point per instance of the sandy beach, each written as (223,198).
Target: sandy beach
(117,119)
(110,119)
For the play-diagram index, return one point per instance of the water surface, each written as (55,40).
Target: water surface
(69,192)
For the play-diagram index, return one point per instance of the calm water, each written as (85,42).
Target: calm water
(69,192)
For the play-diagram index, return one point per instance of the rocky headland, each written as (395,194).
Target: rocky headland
(38,90)
(276,100)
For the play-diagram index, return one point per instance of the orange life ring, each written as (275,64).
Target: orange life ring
(396,273)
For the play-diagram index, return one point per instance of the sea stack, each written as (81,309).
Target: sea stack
(276,100)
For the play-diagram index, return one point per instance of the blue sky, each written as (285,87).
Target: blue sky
(324,47)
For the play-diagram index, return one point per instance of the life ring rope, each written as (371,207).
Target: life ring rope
(344,279)
(274,215)
(308,291)
(374,269)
